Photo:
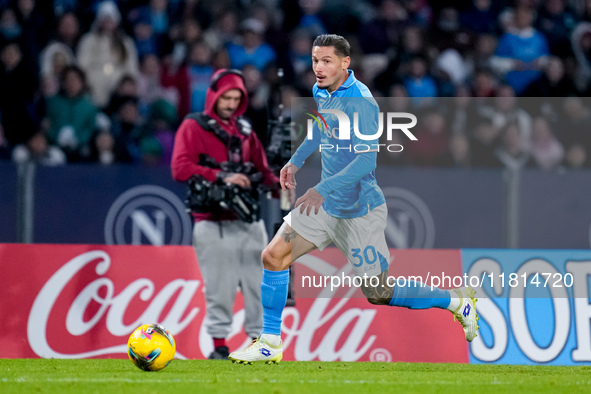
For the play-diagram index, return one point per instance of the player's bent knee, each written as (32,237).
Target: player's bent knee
(272,260)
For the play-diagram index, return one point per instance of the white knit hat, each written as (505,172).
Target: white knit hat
(108,9)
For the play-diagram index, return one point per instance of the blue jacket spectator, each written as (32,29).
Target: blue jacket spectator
(252,49)
(200,73)
(418,84)
(526,47)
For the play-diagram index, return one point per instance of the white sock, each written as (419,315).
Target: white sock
(454,302)
(271,339)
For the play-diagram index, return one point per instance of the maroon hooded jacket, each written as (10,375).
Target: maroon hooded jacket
(191,141)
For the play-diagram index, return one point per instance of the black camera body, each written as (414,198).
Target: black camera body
(219,197)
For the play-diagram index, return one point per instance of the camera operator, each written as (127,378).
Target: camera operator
(218,146)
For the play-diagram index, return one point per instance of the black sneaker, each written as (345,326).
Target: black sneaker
(220,353)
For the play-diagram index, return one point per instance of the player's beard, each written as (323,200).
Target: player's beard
(225,113)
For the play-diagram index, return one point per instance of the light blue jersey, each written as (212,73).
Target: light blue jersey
(348,181)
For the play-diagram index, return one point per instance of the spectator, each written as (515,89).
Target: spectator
(433,140)
(546,150)
(480,18)
(200,72)
(398,99)
(143,36)
(305,15)
(259,92)
(458,154)
(20,109)
(162,123)
(419,12)
(553,83)
(575,128)
(251,49)
(581,44)
(133,143)
(383,33)
(484,84)
(190,33)
(201,11)
(106,54)
(127,87)
(37,149)
(484,143)
(62,7)
(71,115)
(485,47)
(175,73)
(158,12)
(275,35)
(149,85)
(299,52)
(506,110)
(223,31)
(419,84)
(54,59)
(68,30)
(577,157)
(512,153)
(556,23)
(413,44)
(448,33)
(451,70)
(461,111)
(10,29)
(35,27)
(524,49)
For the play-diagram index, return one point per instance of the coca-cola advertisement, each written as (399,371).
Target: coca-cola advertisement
(83,301)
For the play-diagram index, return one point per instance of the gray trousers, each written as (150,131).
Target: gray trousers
(227,262)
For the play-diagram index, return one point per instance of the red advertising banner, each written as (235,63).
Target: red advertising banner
(83,301)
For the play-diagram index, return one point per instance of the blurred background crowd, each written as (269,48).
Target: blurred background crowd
(494,84)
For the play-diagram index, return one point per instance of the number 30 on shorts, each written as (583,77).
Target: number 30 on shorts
(369,256)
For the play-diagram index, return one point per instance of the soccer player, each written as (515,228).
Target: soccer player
(347,207)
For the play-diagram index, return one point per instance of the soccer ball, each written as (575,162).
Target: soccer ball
(151,347)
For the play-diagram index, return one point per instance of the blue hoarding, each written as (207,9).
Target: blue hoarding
(113,205)
(555,210)
(537,310)
(8,205)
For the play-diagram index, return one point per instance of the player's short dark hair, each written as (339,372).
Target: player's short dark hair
(340,44)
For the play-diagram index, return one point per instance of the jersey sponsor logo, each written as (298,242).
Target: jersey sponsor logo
(410,223)
(147,214)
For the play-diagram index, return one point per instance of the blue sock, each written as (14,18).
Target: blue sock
(417,295)
(273,298)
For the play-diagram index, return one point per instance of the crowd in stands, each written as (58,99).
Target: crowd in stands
(494,83)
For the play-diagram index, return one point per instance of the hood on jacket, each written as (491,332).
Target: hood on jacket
(106,9)
(225,83)
(584,67)
(48,54)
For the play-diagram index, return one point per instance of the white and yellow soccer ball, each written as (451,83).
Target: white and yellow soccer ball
(151,347)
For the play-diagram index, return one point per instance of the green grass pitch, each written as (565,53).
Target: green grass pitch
(199,376)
